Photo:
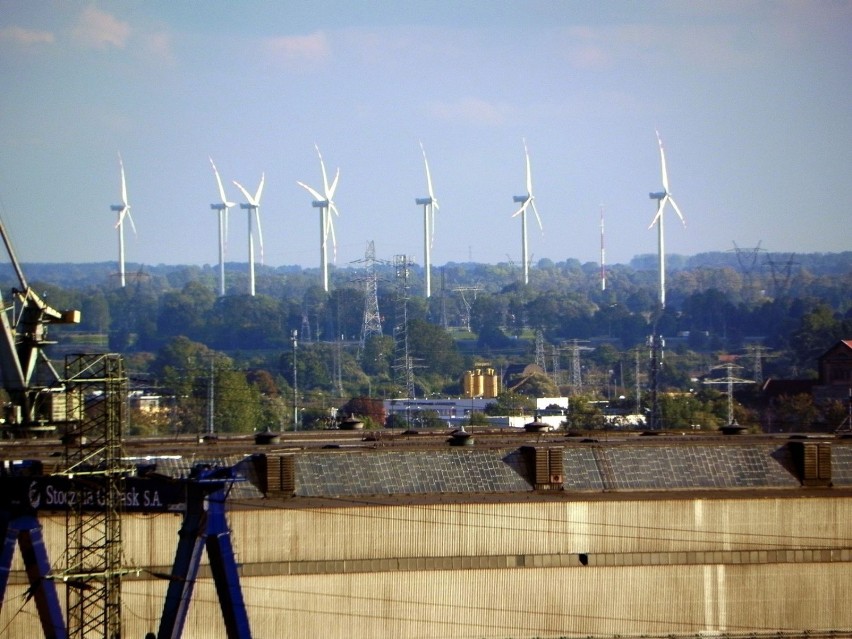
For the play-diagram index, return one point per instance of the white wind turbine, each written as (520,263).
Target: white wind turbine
(430,205)
(662,197)
(222,207)
(123,211)
(325,203)
(526,201)
(252,205)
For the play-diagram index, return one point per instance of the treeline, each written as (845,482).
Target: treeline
(170,323)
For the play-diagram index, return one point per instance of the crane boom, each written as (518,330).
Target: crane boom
(22,341)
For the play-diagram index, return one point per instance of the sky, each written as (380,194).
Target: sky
(751,99)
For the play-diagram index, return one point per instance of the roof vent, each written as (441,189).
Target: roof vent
(546,466)
(812,461)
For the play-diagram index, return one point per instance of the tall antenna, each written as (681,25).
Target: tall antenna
(603,253)
(444,322)
(403,366)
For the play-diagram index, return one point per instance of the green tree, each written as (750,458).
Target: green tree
(510,403)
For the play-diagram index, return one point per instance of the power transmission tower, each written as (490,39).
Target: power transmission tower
(540,358)
(576,370)
(781,275)
(372,318)
(729,380)
(461,290)
(758,353)
(556,368)
(96,407)
(306,327)
(747,259)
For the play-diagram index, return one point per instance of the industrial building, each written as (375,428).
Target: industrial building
(494,534)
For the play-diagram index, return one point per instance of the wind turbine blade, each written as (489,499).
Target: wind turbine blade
(529,173)
(259,191)
(333,207)
(330,192)
(322,167)
(219,183)
(428,176)
(333,238)
(538,219)
(522,209)
(123,182)
(259,232)
(245,193)
(677,210)
(663,164)
(130,217)
(660,205)
(310,190)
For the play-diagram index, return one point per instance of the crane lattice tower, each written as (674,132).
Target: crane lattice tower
(96,409)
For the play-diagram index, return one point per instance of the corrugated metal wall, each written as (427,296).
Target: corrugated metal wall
(679,566)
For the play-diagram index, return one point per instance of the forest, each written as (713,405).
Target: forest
(768,315)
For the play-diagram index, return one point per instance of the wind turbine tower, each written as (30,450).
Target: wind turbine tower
(526,201)
(430,205)
(123,211)
(252,205)
(662,198)
(325,203)
(222,207)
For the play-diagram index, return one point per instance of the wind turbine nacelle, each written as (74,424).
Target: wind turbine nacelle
(657,196)
(520,198)
(116,207)
(218,207)
(423,201)
(320,204)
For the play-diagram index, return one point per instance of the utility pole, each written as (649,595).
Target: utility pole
(294,339)
(211,400)
(657,345)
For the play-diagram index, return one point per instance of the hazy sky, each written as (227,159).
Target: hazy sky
(752,100)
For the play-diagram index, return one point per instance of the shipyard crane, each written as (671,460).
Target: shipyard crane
(26,374)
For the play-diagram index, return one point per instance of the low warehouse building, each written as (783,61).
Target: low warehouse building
(511,535)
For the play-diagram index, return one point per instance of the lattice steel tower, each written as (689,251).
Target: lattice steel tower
(540,357)
(372,318)
(576,371)
(96,407)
